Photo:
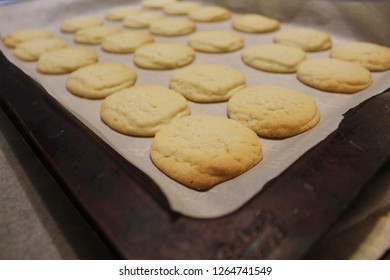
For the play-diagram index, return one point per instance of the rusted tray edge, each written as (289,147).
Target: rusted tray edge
(132,215)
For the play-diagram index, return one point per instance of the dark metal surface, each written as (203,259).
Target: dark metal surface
(131,214)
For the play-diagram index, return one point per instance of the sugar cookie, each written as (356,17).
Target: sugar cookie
(216,41)
(163,55)
(74,24)
(274,58)
(334,75)
(95,34)
(142,110)
(210,14)
(181,8)
(101,79)
(207,82)
(22,35)
(121,12)
(201,151)
(65,60)
(371,56)
(142,20)
(126,41)
(307,39)
(255,23)
(172,27)
(31,50)
(274,111)
(156,4)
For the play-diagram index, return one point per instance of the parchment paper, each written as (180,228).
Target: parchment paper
(343,20)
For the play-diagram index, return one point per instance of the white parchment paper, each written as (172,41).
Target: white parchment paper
(343,20)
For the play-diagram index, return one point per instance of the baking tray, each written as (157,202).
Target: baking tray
(130,213)
(133,216)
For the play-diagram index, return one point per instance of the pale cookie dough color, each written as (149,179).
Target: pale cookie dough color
(65,60)
(206,83)
(201,151)
(119,13)
(76,23)
(216,41)
(371,56)
(274,111)
(156,4)
(181,8)
(334,75)
(100,80)
(31,50)
(95,35)
(307,39)
(142,110)
(172,27)
(142,20)
(126,41)
(163,55)
(210,14)
(255,23)
(274,58)
(23,35)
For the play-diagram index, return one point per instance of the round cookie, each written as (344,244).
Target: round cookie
(156,4)
(201,151)
(142,20)
(334,75)
(31,50)
(142,110)
(181,8)
(273,58)
(371,56)
(274,111)
(65,60)
(126,41)
(76,23)
(307,39)
(172,27)
(255,23)
(163,55)
(95,34)
(206,83)
(216,41)
(119,13)
(23,35)
(209,14)
(99,80)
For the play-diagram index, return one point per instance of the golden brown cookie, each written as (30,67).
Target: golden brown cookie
(22,35)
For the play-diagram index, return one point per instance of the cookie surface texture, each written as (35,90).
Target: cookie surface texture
(207,83)
(156,4)
(255,23)
(180,8)
(371,56)
(163,55)
(172,27)
(31,50)
(142,110)
(274,111)
(22,35)
(100,79)
(307,39)
(95,34)
(142,20)
(201,151)
(120,12)
(216,41)
(66,60)
(274,58)
(126,41)
(76,23)
(210,14)
(334,75)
